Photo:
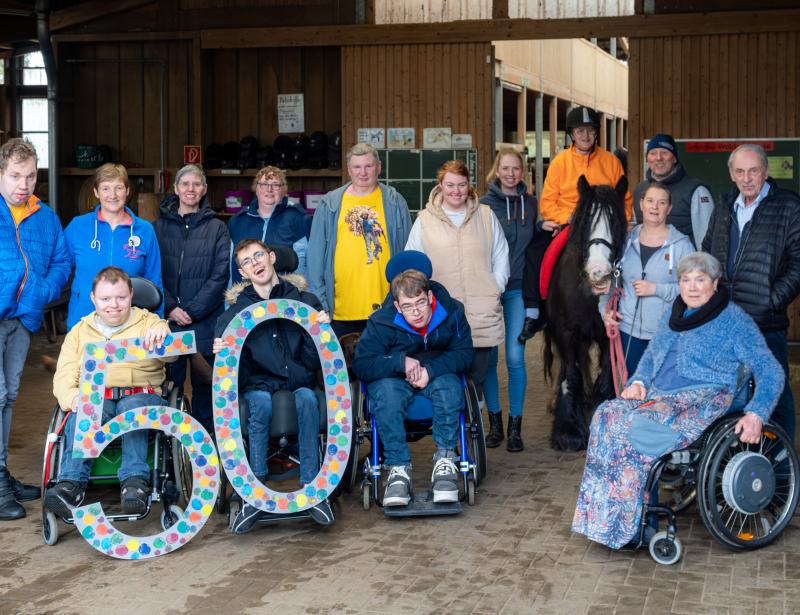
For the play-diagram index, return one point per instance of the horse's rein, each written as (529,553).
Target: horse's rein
(619,370)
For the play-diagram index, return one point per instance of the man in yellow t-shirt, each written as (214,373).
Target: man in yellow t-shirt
(355,231)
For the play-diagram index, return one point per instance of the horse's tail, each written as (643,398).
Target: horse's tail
(548,357)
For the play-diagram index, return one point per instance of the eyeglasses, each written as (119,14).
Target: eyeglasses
(585,131)
(257,256)
(270,185)
(410,308)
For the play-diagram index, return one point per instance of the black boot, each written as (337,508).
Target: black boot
(514,444)
(10,509)
(24,492)
(495,436)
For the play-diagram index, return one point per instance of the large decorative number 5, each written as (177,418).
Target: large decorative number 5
(92,436)
(226,408)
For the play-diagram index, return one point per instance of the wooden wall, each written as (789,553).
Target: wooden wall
(739,85)
(420,86)
(234,95)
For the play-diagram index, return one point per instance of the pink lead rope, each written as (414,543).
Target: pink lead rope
(618,369)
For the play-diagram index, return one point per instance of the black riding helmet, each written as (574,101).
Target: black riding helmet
(582,116)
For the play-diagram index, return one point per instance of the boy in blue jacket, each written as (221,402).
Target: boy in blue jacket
(35,268)
(417,343)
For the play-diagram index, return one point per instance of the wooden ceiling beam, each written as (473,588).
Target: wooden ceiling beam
(633,26)
(89,11)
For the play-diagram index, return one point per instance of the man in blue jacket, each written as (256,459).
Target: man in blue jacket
(35,268)
(417,343)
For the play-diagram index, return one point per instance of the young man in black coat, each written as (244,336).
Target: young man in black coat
(417,343)
(194,248)
(277,355)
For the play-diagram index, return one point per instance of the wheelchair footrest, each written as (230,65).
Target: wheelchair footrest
(269,518)
(422,506)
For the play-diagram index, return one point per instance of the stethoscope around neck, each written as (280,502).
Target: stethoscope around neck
(133,240)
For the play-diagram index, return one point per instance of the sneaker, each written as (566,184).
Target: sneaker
(246,518)
(398,486)
(444,480)
(133,493)
(64,497)
(322,513)
(23,492)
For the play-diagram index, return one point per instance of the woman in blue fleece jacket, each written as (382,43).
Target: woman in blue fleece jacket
(686,379)
(110,235)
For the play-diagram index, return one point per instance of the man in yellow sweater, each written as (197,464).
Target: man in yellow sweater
(129,385)
(560,197)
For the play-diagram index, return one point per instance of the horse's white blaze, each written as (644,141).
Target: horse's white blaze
(598,264)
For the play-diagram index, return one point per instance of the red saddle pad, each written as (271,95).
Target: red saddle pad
(550,259)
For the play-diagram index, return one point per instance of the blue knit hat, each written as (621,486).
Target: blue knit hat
(663,141)
(408,259)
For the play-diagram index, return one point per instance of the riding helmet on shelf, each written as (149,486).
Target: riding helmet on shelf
(230,155)
(213,156)
(247,152)
(318,150)
(281,149)
(335,150)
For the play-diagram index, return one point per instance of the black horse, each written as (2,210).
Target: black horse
(583,272)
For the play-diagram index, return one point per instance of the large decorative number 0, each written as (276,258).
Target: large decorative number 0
(226,408)
(92,436)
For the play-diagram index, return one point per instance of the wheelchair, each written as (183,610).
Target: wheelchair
(170,469)
(282,454)
(746,494)
(472,464)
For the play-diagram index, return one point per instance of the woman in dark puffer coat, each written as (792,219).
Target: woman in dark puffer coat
(195,247)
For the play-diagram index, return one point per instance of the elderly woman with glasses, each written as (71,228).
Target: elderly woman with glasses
(271,218)
(685,380)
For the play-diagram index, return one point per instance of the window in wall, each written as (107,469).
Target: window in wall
(32,94)
(2,71)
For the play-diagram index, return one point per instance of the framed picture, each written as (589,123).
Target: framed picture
(401,138)
(376,137)
(462,141)
(436,138)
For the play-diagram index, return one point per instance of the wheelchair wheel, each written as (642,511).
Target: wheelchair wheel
(354,462)
(747,493)
(181,464)
(234,506)
(49,528)
(51,450)
(366,496)
(171,516)
(665,549)
(471,491)
(477,441)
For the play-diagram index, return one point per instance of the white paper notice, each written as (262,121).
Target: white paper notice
(291,113)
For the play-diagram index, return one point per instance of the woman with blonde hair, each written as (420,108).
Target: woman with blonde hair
(469,253)
(516,210)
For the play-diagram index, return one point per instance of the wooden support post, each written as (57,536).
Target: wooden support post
(522,115)
(603,131)
(553,127)
(621,133)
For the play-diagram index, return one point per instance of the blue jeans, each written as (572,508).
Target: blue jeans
(201,390)
(260,418)
(134,444)
(783,414)
(634,352)
(392,396)
(14,342)
(514,316)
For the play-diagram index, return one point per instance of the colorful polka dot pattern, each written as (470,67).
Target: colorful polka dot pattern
(226,408)
(91,437)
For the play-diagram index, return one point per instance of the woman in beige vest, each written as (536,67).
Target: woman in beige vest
(469,252)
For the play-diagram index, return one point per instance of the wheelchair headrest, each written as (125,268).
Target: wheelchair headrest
(286,260)
(408,259)
(145,294)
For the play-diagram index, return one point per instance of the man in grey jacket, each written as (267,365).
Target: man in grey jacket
(692,203)
(356,229)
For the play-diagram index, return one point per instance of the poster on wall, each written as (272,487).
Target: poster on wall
(401,138)
(291,113)
(436,138)
(376,137)
(462,141)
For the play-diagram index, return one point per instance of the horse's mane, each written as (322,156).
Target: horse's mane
(611,205)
